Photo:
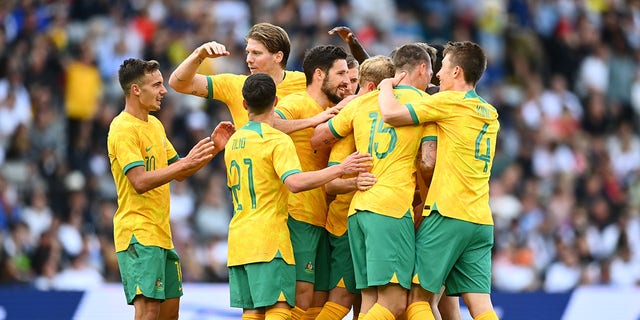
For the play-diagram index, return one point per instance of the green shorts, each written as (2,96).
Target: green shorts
(262,284)
(323,263)
(150,271)
(341,265)
(455,253)
(310,261)
(383,249)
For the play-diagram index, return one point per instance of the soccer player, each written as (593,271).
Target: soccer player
(326,71)
(354,75)
(268,48)
(457,225)
(380,226)
(143,162)
(343,293)
(261,165)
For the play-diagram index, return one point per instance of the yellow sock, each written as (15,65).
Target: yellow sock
(420,310)
(278,314)
(297,313)
(253,316)
(361,315)
(487,315)
(378,312)
(311,313)
(332,311)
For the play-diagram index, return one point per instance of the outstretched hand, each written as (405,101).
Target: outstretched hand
(221,134)
(356,163)
(344,32)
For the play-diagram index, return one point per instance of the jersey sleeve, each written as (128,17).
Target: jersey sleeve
(430,132)
(342,124)
(287,108)
(126,149)
(429,108)
(223,86)
(285,159)
(341,150)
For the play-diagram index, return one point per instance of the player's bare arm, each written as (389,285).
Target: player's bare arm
(323,137)
(428,160)
(356,49)
(364,181)
(288,126)
(185,78)
(143,181)
(353,164)
(391,110)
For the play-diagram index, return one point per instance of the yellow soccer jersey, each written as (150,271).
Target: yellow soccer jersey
(308,206)
(468,128)
(259,158)
(394,152)
(132,142)
(339,207)
(227,88)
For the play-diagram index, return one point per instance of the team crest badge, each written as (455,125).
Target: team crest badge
(308,267)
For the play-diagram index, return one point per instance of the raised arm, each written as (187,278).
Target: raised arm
(184,78)
(353,164)
(391,110)
(356,49)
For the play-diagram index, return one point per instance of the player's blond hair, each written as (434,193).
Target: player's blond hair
(375,69)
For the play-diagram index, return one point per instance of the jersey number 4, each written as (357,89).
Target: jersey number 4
(479,154)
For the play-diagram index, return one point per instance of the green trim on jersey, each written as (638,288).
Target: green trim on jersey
(253,126)
(174,159)
(280,114)
(209,87)
(414,116)
(333,131)
(132,165)
(288,173)
(429,138)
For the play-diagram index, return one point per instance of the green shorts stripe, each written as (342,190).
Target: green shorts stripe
(262,284)
(151,271)
(383,249)
(455,253)
(305,238)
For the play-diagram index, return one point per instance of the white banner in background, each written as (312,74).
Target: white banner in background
(604,303)
(199,302)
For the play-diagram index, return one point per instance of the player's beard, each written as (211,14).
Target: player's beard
(331,93)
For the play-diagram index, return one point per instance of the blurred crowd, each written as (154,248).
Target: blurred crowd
(564,75)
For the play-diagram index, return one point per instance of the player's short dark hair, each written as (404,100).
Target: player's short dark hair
(352,62)
(259,91)
(469,56)
(133,70)
(321,57)
(409,56)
